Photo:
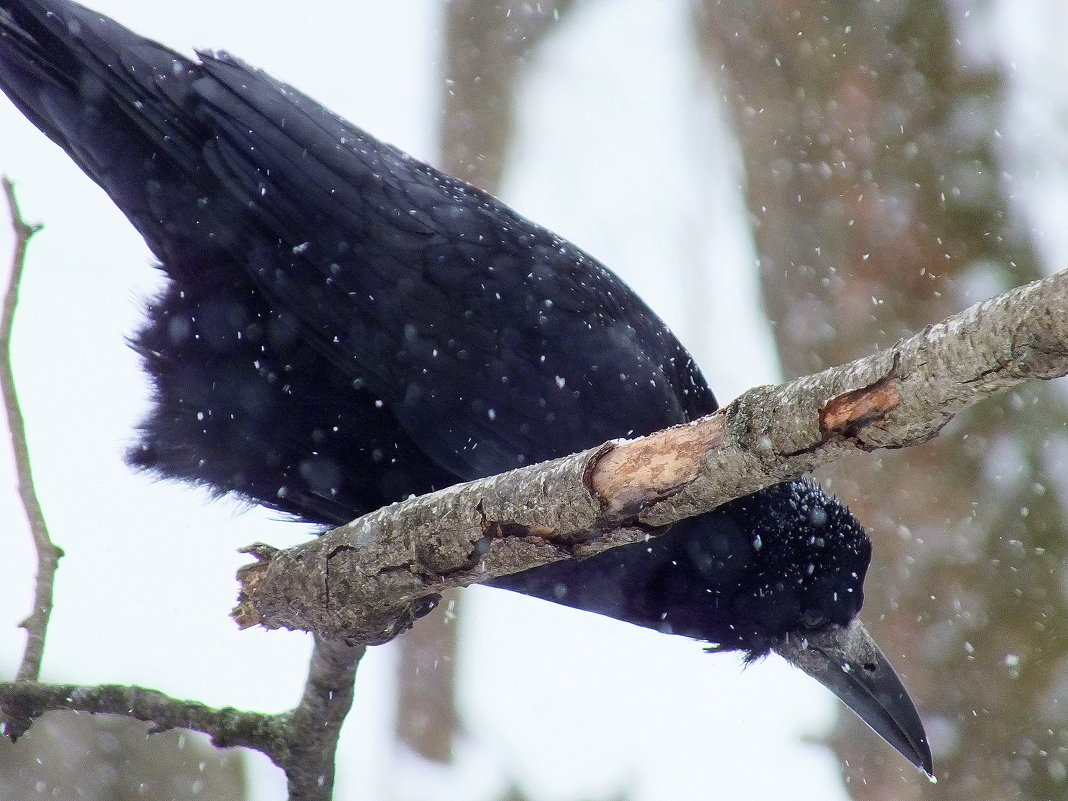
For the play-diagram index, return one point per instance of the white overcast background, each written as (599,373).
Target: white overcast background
(619,149)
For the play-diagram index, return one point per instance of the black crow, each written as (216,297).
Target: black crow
(345,326)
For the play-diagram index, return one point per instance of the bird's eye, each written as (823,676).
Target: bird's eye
(813,620)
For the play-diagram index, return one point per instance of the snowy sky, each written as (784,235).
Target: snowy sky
(614,152)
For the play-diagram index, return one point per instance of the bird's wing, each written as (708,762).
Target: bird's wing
(493,341)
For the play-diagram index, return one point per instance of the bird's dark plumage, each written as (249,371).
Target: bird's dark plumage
(345,326)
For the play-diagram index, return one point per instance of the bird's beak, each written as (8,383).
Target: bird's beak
(847,661)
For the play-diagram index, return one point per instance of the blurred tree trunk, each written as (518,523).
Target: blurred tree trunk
(486,45)
(878,206)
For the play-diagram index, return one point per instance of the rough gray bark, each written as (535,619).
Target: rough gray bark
(367,581)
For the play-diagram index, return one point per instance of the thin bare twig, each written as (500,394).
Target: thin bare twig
(48,554)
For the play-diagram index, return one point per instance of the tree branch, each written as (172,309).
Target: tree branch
(48,554)
(314,726)
(367,581)
(303,741)
(25,701)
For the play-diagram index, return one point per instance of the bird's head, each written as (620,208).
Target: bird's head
(800,557)
(800,595)
(780,570)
